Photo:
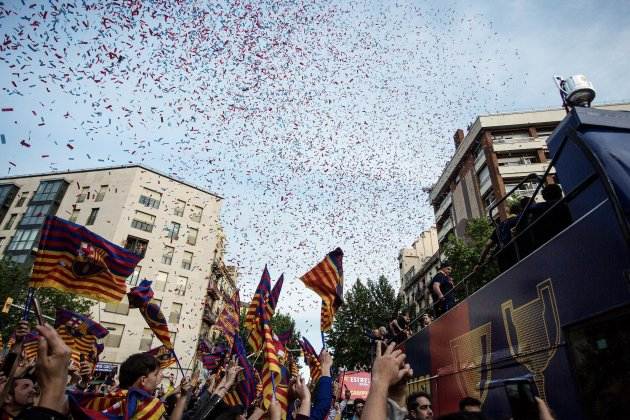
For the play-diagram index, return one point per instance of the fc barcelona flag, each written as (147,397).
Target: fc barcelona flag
(164,356)
(73,259)
(229,319)
(140,297)
(253,317)
(326,279)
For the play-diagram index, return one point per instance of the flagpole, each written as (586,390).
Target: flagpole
(178,363)
(323,340)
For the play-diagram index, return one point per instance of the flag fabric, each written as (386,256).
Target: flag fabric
(30,346)
(229,319)
(75,260)
(80,333)
(140,297)
(284,337)
(164,356)
(311,359)
(275,295)
(326,279)
(254,316)
(244,392)
(271,365)
(134,404)
(212,361)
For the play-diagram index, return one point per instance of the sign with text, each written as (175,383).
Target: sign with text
(357,382)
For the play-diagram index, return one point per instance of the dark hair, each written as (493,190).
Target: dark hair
(412,400)
(359,401)
(444,264)
(552,192)
(136,366)
(463,415)
(515,207)
(468,402)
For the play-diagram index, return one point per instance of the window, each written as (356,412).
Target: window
(83,195)
(35,214)
(187,260)
(48,190)
(92,218)
(173,337)
(167,255)
(136,245)
(176,311)
(7,194)
(182,283)
(173,231)
(101,193)
(135,276)
(146,340)
(24,239)
(22,199)
(192,236)
(150,198)
(196,214)
(160,281)
(179,208)
(118,307)
(75,215)
(143,221)
(115,334)
(10,222)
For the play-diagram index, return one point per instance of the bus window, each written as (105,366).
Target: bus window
(599,350)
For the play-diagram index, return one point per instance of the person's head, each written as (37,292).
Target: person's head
(470,404)
(141,371)
(446,268)
(515,207)
(382,331)
(419,406)
(425,320)
(552,192)
(21,395)
(359,403)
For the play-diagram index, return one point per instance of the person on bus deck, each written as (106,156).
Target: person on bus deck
(399,326)
(500,238)
(551,223)
(440,286)
(425,320)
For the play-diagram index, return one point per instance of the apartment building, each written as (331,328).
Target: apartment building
(418,264)
(496,153)
(173,224)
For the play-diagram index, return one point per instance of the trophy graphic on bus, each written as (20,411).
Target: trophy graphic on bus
(533,332)
(471,356)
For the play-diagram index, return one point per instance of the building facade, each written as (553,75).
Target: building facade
(418,264)
(174,225)
(493,157)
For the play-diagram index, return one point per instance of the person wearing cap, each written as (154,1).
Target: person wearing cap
(440,286)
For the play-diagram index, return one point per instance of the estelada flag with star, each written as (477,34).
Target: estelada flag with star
(326,279)
(75,260)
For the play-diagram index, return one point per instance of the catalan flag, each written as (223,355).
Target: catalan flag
(245,391)
(326,279)
(311,359)
(74,259)
(254,316)
(229,319)
(140,297)
(30,346)
(164,356)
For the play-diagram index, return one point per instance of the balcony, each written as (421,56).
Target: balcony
(526,143)
(139,224)
(446,228)
(522,170)
(209,317)
(443,206)
(213,292)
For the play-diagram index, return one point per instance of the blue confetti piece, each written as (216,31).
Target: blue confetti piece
(3,139)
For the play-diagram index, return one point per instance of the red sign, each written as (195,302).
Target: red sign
(356,381)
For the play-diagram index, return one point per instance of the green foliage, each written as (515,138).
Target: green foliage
(463,255)
(13,283)
(366,307)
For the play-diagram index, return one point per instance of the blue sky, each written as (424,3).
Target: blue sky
(321,123)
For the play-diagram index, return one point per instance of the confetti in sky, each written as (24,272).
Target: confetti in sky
(322,123)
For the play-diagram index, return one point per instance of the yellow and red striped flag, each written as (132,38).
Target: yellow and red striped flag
(229,319)
(254,312)
(75,260)
(326,279)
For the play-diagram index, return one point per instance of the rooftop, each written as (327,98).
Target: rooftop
(111,168)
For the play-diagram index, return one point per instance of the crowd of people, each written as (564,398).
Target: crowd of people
(48,389)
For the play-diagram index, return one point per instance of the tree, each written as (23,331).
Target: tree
(366,307)
(463,255)
(14,283)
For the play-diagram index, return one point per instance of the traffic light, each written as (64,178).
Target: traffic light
(7,305)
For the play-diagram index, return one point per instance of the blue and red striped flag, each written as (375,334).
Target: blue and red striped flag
(75,260)
(245,391)
(229,319)
(80,333)
(213,360)
(326,279)
(275,295)
(164,356)
(311,359)
(140,297)
(132,404)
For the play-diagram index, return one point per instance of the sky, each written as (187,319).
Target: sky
(321,123)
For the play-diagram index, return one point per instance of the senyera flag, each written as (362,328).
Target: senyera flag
(140,297)
(74,259)
(326,279)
